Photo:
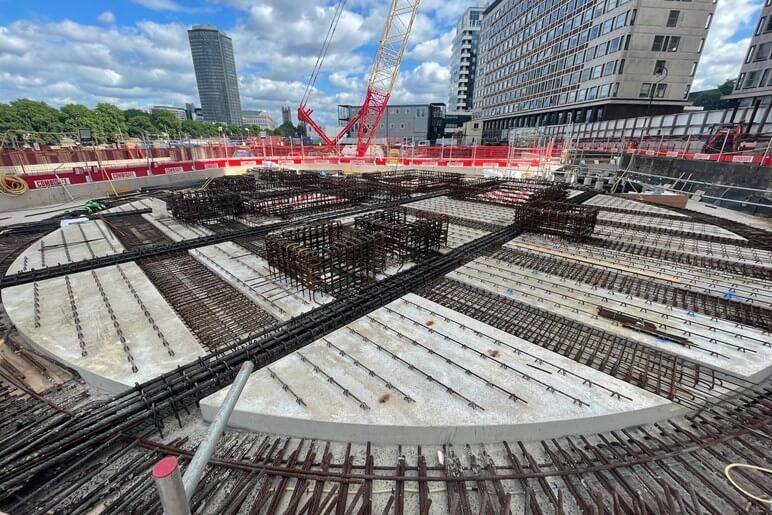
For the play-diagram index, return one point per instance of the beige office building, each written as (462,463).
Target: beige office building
(556,61)
(754,84)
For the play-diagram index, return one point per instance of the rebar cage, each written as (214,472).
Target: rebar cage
(206,206)
(407,237)
(417,181)
(509,192)
(236,183)
(558,218)
(327,258)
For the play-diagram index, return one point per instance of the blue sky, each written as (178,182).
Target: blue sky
(135,52)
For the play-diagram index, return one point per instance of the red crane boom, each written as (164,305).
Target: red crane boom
(383,75)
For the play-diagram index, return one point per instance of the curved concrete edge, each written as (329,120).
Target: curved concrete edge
(437,435)
(98,381)
(107,381)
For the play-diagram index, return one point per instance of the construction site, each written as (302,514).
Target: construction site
(422,342)
(559,328)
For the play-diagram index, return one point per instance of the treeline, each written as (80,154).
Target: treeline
(35,121)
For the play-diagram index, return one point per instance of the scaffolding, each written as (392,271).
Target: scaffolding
(407,238)
(558,218)
(327,258)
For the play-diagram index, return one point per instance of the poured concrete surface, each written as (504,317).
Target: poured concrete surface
(473,211)
(632,205)
(250,274)
(106,364)
(80,241)
(717,343)
(416,372)
(739,288)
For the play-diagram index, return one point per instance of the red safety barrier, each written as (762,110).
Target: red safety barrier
(94,174)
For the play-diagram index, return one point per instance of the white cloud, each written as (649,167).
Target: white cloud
(724,52)
(107,17)
(145,64)
(276,43)
(439,48)
(160,5)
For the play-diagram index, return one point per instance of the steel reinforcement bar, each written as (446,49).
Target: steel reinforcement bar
(23,458)
(667,375)
(162,249)
(672,467)
(723,265)
(648,289)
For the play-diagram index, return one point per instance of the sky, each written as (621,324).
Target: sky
(135,53)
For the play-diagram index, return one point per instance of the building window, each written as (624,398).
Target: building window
(762,53)
(661,91)
(659,66)
(740,81)
(751,51)
(751,81)
(645,90)
(761,25)
(672,18)
(666,43)
(763,80)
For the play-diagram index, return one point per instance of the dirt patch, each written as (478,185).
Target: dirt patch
(494,353)
(383,399)
(430,323)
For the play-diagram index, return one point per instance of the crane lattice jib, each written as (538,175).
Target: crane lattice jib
(385,69)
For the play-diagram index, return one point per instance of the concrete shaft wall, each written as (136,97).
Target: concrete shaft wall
(734,174)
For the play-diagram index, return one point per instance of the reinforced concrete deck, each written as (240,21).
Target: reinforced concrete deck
(84,239)
(473,211)
(111,325)
(738,288)
(632,205)
(720,344)
(251,275)
(416,372)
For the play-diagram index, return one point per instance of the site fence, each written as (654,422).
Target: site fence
(52,168)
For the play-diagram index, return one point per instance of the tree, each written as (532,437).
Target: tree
(38,117)
(711,99)
(78,116)
(285,130)
(727,87)
(166,122)
(112,122)
(140,124)
(131,113)
(10,120)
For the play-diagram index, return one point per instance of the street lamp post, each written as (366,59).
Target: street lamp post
(224,145)
(662,71)
(647,123)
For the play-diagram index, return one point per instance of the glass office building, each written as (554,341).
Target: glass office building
(215,67)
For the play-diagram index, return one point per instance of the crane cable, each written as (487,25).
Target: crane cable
(325,48)
(13,185)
